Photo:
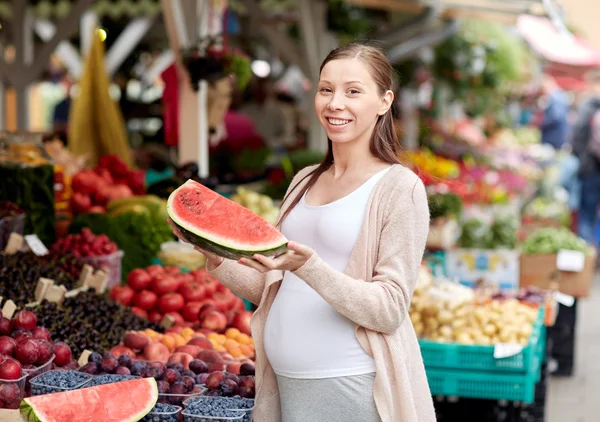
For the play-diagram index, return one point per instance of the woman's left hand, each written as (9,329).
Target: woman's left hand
(295,257)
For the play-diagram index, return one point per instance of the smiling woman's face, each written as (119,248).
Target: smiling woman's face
(348,101)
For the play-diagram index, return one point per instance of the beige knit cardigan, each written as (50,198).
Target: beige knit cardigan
(374,292)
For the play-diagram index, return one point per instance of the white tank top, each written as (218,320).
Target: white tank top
(305,337)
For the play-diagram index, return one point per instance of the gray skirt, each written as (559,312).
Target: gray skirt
(340,399)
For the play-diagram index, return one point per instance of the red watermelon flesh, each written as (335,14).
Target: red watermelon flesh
(216,224)
(118,402)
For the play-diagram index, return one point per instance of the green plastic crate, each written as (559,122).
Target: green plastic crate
(484,385)
(466,357)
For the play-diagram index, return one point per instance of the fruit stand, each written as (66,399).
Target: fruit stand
(116,302)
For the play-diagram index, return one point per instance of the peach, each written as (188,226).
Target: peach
(122,350)
(136,340)
(189,349)
(233,367)
(214,320)
(182,358)
(209,356)
(157,352)
(169,341)
(201,342)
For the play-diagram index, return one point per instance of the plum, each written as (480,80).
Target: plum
(109,364)
(95,357)
(90,368)
(201,378)
(10,369)
(176,366)
(6,327)
(228,388)
(8,346)
(163,387)
(41,333)
(247,369)
(137,368)
(246,392)
(126,361)
(62,354)
(46,351)
(10,392)
(24,320)
(198,366)
(178,388)
(214,380)
(189,382)
(171,376)
(233,377)
(122,370)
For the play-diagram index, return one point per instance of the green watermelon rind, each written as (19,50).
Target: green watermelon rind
(224,251)
(27,410)
(211,244)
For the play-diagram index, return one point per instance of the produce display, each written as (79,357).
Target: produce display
(138,225)
(450,313)
(259,204)
(162,412)
(501,234)
(110,180)
(92,403)
(551,240)
(21,271)
(216,224)
(85,244)
(158,291)
(89,321)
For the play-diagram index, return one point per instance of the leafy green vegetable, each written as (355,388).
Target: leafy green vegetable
(444,205)
(550,240)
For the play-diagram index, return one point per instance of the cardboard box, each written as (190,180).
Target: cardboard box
(540,270)
(498,266)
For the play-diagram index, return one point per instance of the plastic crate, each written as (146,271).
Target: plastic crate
(484,385)
(438,355)
(112,262)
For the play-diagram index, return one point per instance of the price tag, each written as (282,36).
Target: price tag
(14,245)
(86,273)
(505,350)
(42,288)
(83,359)
(9,308)
(572,261)
(564,299)
(56,294)
(168,321)
(36,245)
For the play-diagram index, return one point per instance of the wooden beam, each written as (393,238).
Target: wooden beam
(65,50)
(281,42)
(66,27)
(128,39)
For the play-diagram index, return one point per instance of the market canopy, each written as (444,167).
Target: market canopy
(556,46)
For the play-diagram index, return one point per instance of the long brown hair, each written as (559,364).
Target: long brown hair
(384,142)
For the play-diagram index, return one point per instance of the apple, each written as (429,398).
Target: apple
(214,320)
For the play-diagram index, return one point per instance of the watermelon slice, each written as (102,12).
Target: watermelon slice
(118,402)
(216,224)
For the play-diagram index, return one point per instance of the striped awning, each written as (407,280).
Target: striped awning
(51,9)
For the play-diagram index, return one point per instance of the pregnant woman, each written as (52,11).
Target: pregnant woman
(333,339)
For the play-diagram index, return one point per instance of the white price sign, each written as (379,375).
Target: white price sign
(506,350)
(572,261)
(564,299)
(36,245)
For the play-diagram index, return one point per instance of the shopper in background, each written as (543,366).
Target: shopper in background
(333,338)
(555,106)
(586,147)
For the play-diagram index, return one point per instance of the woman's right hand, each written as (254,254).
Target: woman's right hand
(212,260)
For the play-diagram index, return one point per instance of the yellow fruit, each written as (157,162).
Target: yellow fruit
(187,332)
(179,340)
(243,338)
(232,333)
(170,342)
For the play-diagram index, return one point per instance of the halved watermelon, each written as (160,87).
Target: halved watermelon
(216,224)
(125,401)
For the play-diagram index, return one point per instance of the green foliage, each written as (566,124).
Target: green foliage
(444,205)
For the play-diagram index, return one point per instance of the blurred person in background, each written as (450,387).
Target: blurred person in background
(555,108)
(586,147)
(266,113)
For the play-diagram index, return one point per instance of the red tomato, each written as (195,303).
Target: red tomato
(154,269)
(171,302)
(172,270)
(190,311)
(155,317)
(192,292)
(145,300)
(139,279)
(139,312)
(223,302)
(122,294)
(210,285)
(163,283)
(185,278)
